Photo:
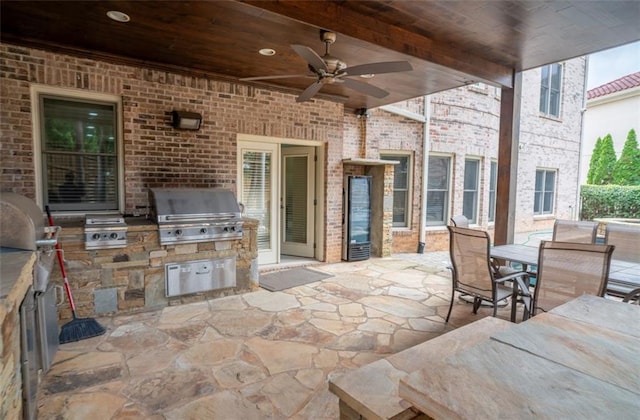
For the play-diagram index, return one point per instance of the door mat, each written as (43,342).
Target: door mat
(286,279)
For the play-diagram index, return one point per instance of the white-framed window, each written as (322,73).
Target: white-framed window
(545,188)
(78,150)
(493,184)
(402,181)
(438,185)
(470,194)
(551,89)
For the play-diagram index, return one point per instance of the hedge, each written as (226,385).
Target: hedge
(609,201)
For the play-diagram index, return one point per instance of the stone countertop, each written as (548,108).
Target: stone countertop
(16,268)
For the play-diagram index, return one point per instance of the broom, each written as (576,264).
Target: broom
(78,328)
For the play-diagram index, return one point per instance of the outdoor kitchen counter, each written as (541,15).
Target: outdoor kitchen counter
(16,268)
(15,278)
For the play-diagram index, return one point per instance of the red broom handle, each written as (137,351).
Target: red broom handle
(67,288)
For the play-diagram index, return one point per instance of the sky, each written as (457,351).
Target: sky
(609,65)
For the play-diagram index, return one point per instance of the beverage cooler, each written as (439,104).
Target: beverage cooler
(356,218)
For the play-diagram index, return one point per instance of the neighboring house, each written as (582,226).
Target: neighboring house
(245,126)
(613,108)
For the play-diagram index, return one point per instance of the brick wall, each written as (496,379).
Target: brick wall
(155,154)
(464,123)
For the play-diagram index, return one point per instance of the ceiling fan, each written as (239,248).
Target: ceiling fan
(329,69)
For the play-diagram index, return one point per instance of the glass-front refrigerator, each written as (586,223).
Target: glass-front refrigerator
(356,220)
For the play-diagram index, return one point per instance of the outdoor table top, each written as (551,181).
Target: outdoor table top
(577,361)
(621,273)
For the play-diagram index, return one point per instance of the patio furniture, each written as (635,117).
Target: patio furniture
(460,221)
(626,240)
(583,232)
(633,297)
(371,391)
(472,273)
(581,359)
(624,276)
(567,270)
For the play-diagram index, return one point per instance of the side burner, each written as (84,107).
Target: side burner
(105,232)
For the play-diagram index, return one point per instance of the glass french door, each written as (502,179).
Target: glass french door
(258,192)
(297,205)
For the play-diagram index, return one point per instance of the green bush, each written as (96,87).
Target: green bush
(606,162)
(627,169)
(593,163)
(609,201)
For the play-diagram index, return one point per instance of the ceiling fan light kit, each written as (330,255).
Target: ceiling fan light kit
(329,69)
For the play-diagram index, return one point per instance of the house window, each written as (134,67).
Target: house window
(401,188)
(545,192)
(493,182)
(78,140)
(470,194)
(550,90)
(438,190)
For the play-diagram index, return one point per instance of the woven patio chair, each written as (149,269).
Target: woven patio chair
(459,221)
(472,273)
(633,297)
(583,232)
(626,240)
(567,270)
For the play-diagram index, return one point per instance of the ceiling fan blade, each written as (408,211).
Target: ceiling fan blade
(310,56)
(365,88)
(378,68)
(283,76)
(309,92)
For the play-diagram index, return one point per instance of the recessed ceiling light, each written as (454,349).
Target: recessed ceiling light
(118,16)
(93,114)
(267,51)
(367,76)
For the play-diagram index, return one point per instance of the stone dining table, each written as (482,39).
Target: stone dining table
(580,360)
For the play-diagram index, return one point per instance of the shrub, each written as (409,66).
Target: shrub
(593,163)
(627,169)
(609,201)
(606,162)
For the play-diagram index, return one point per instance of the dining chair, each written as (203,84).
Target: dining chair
(567,270)
(633,297)
(626,240)
(583,232)
(472,273)
(460,221)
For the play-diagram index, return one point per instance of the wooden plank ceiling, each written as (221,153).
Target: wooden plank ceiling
(448,43)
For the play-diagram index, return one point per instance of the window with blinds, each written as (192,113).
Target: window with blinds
(256,192)
(543,199)
(493,183)
(296,199)
(401,188)
(470,194)
(550,89)
(79,154)
(438,190)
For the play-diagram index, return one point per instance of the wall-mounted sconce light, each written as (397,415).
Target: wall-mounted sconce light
(186,120)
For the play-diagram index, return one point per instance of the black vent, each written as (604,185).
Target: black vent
(359,252)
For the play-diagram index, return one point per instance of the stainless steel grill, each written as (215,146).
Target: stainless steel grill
(22,227)
(188,215)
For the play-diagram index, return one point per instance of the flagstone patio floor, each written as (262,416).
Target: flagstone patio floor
(260,355)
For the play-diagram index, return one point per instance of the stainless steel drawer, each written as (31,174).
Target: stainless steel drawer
(199,276)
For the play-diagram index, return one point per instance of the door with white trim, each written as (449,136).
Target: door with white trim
(297,201)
